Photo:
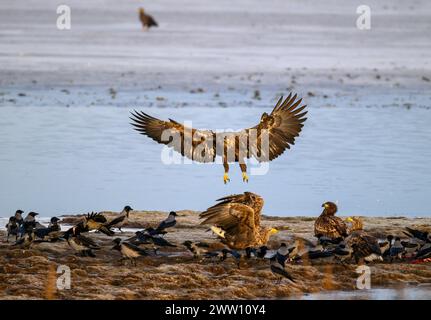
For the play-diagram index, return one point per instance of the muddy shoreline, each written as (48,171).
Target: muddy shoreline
(175,274)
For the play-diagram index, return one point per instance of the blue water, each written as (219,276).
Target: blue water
(56,160)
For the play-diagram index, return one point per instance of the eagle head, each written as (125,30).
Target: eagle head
(330,208)
(264,117)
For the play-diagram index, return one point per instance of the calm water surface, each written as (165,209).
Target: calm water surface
(373,161)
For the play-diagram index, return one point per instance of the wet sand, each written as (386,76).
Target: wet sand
(175,274)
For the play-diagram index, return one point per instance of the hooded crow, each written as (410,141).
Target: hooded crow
(18,217)
(29,223)
(128,250)
(78,242)
(122,219)
(53,231)
(143,237)
(421,235)
(279,270)
(97,221)
(12,228)
(169,222)
(397,249)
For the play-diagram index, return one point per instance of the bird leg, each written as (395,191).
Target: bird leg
(226,170)
(243,167)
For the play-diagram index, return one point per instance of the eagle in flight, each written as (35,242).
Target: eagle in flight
(264,142)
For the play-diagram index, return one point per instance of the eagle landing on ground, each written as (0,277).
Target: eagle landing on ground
(267,140)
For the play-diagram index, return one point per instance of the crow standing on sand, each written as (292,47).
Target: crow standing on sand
(279,270)
(12,228)
(80,243)
(146,20)
(122,219)
(52,231)
(397,249)
(128,251)
(29,223)
(18,217)
(169,222)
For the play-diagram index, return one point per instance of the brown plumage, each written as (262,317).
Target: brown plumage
(328,225)
(265,141)
(238,217)
(146,20)
(365,247)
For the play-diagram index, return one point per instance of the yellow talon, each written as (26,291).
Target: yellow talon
(244,177)
(226,178)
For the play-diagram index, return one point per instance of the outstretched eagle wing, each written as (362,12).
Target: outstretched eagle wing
(281,127)
(198,145)
(236,219)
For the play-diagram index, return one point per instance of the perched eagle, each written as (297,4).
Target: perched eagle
(265,141)
(236,219)
(328,225)
(146,20)
(365,246)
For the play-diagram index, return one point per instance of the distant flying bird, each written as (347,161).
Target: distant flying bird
(267,140)
(328,225)
(122,219)
(279,270)
(238,218)
(12,228)
(128,250)
(82,244)
(146,20)
(365,246)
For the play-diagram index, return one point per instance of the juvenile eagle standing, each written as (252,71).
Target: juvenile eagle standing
(365,246)
(265,141)
(237,221)
(328,225)
(146,20)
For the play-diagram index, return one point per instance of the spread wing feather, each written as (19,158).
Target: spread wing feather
(198,145)
(282,126)
(233,218)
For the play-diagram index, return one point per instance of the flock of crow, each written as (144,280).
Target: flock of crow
(338,241)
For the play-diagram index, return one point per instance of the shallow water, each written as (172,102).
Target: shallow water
(422,292)
(373,161)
